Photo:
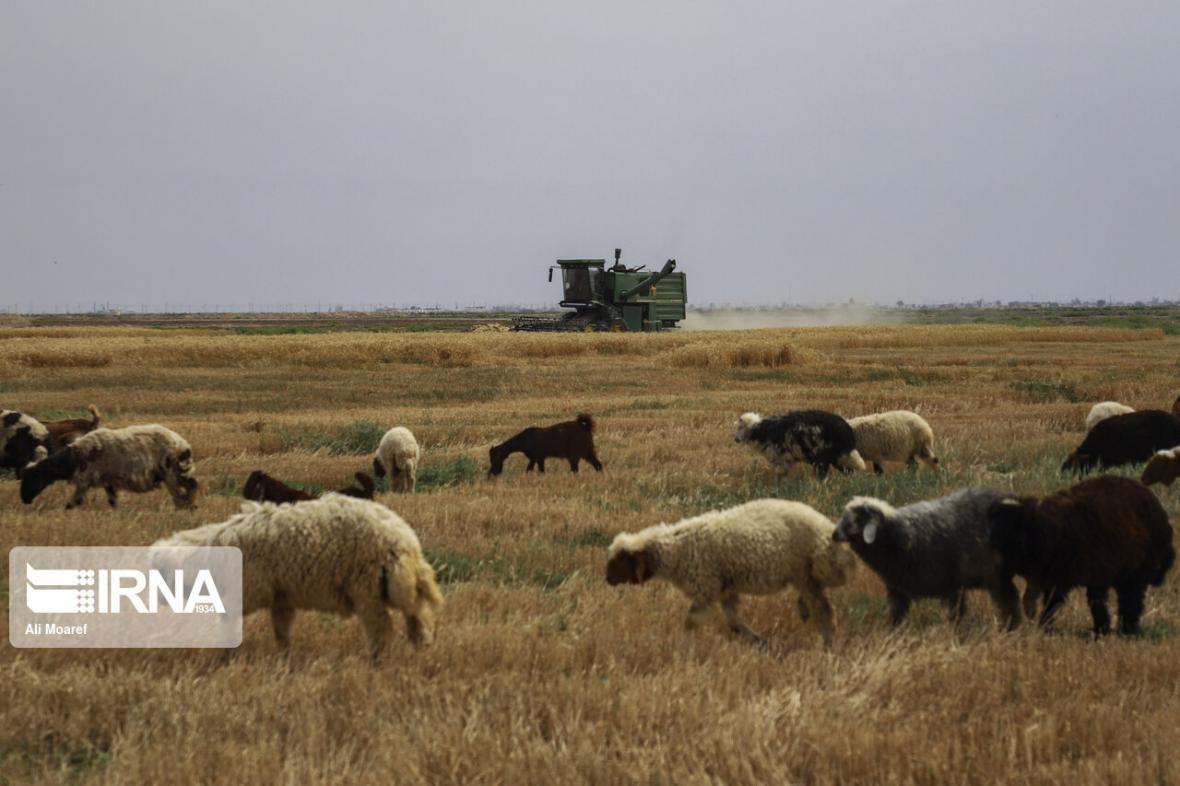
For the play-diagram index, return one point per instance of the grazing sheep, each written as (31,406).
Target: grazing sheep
(805,436)
(261,487)
(1104,410)
(1101,533)
(1124,439)
(572,440)
(136,458)
(398,455)
(898,435)
(933,549)
(24,440)
(758,548)
(335,554)
(1164,467)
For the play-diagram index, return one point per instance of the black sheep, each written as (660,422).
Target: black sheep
(1124,439)
(572,440)
(808,436)
(1101,533)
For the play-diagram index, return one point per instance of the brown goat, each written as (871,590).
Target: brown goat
(1163,467)
(572,440)
(261,487)
(1101,533)
(64,432)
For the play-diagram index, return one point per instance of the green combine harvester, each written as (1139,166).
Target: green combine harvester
(615,298)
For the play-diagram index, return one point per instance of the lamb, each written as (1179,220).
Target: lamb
(24,440)
(811,436)
(398,455)
(758,548)
(1124,439)
(136,458)
(336,554)
(898,435)
(1104,410)
(65,432)
(261,487)
(1101,533)
(1164,467)
(572,440)
(933,549)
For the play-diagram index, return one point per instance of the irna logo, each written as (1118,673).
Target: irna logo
(58,591)
(105,596)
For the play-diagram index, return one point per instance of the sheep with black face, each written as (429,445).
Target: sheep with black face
(807,436)
(933,549)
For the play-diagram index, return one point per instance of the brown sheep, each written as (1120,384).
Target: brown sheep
(64,432)
(572,440)
(1163,467)
(1101,533)
(261,487)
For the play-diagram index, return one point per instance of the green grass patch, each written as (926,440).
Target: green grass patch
(451,567)
(357,437)
(594,538)
(1042,391)
(276,330)
(460,469)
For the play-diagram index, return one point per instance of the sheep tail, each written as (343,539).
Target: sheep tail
(586,421)
(426,588)
(95,417)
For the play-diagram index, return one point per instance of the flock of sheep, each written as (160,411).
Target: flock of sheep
(344,553)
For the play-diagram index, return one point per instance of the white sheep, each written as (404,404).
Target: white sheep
(135,458)
(898,435)
(398,455)
(336,554)
(1104,410)
(758,548)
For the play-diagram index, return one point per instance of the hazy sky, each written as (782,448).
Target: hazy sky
(226,152)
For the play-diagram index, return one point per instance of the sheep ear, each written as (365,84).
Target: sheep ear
(870,532)
(11,417)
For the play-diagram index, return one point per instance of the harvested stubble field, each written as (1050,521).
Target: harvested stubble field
(541,672)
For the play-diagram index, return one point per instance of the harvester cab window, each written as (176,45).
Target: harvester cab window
(582,284)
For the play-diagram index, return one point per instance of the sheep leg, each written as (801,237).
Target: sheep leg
(823,611)
(729,605)
(532,464)
(821,469)
(898,605)
(112,495)
(1096,597)
(78,498)
(956,606)
(282,616)
(1053,601)
(877,468)
(378,627)
(1032,593)
(804,609)
(1130,608)
(594,462)
(1007,601)
(696,614)
(541,466)
(573,465)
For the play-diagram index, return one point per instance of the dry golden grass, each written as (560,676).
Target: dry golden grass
(541,672)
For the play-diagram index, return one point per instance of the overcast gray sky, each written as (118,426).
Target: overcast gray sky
(293,151)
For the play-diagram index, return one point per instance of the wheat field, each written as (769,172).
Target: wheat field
(541,672)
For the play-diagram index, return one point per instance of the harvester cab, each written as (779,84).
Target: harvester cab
(617,298)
